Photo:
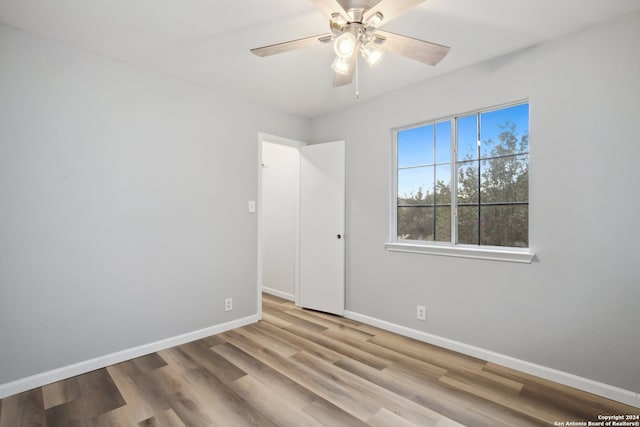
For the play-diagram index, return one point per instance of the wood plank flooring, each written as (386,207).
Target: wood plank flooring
(303,368)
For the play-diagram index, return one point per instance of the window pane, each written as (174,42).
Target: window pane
(468,182)
(505,226)
(505,131)
(468,225)
(443,224)
(415,223)
(443,184)
(467,137)
(505,179)
(443,142)
(415,146)
(415,186)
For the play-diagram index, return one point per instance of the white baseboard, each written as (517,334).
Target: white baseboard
(584,384)
(278,293)
(38,380)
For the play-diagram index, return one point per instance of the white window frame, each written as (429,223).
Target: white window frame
(495,253)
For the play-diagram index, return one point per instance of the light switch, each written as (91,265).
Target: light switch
(252,206)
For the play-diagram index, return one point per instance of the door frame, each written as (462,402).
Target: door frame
(274,139)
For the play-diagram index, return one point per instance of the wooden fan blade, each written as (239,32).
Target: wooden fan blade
(420,50)
(390,9)
(346,79)
(291,45)
(329,7)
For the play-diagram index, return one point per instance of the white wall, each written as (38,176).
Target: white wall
(123,205)
(280,199)
(577,307)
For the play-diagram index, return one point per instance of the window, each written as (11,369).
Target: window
(462,182)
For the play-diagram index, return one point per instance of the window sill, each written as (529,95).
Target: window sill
(491,253)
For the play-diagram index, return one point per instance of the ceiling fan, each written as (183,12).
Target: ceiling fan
(355,27)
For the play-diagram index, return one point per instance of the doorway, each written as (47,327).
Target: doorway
(301,215)
(279,216)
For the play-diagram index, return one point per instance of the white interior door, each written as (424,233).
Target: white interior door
(322,217)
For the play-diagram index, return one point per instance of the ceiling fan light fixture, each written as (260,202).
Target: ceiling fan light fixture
(345,44)
(337,23)
(338,19)
(372,54)
(375,19)
(341,65)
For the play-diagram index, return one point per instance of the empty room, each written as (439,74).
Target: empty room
(319,213)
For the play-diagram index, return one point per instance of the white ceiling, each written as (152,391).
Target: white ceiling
(207,42)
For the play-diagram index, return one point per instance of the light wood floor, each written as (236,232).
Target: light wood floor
(303,368)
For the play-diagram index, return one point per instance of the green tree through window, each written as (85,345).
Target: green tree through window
(484,157)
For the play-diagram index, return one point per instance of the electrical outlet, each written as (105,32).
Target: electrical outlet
(228,304)
(422,312)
